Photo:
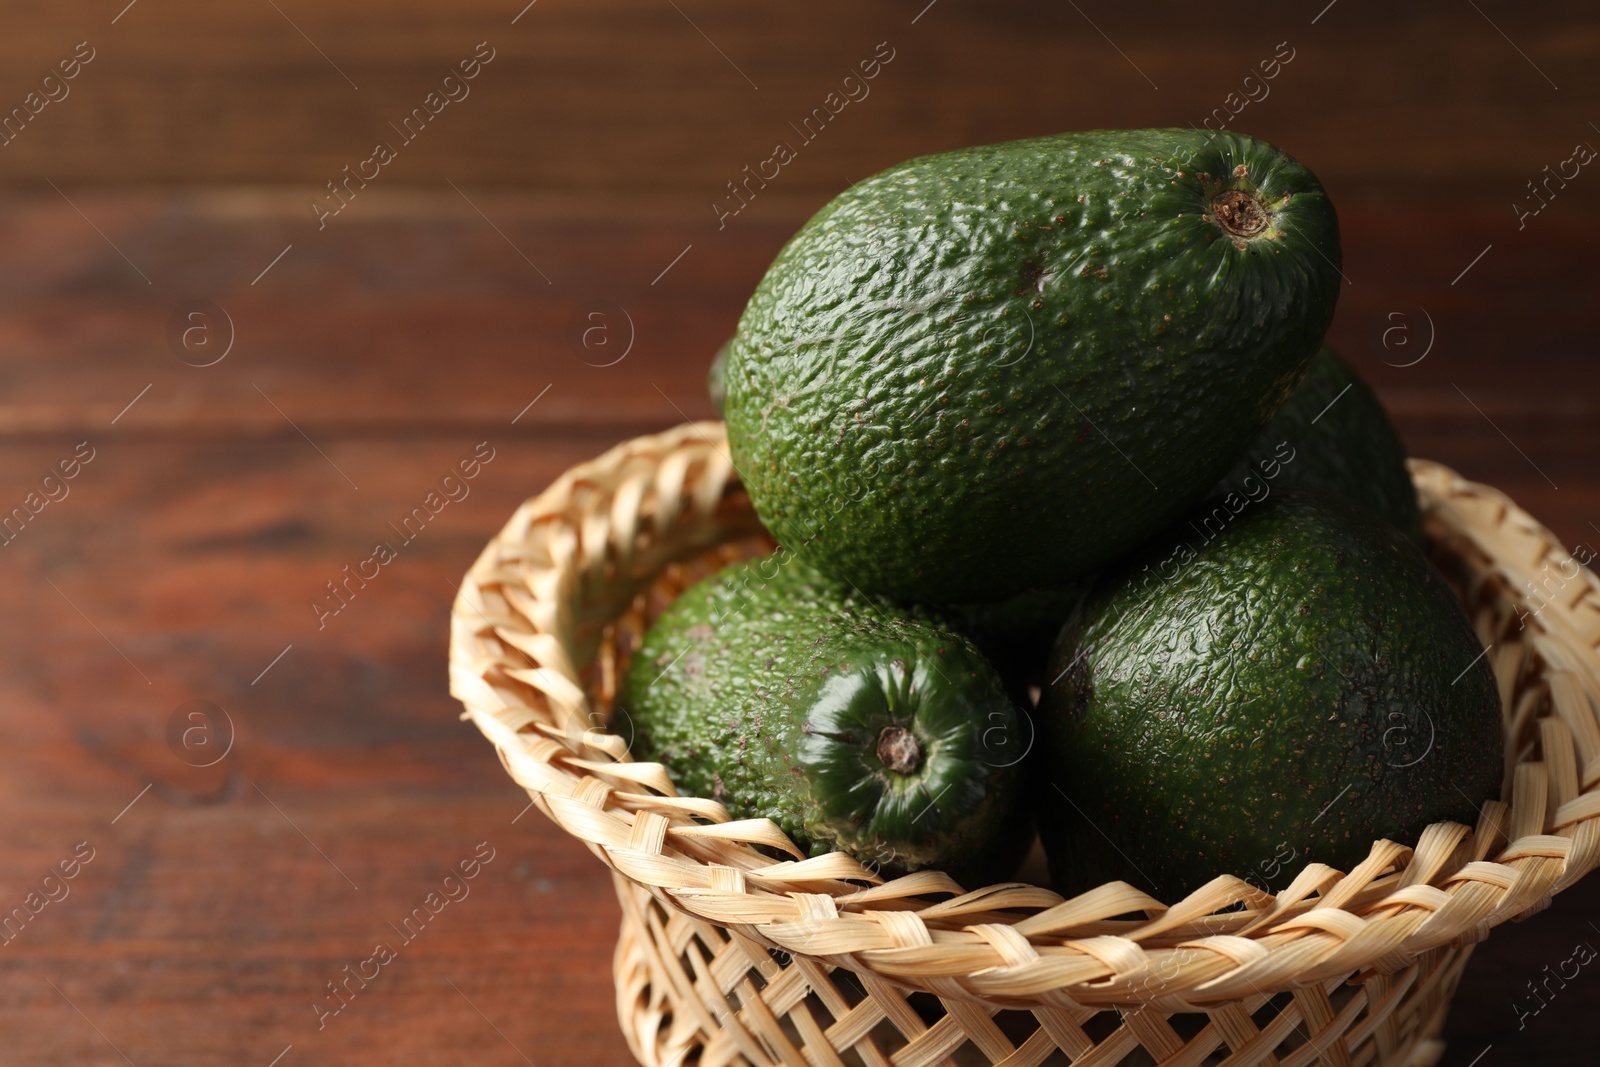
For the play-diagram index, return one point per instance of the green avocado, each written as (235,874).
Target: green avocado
(719,363)
(850,722)
(1244,700)
(1017,634)
(1332,436)
(995,369)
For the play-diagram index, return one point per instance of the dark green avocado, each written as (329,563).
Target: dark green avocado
(1017,634)
(1287,689)
(851,723)
(995,369)
(719,364)
(1331,436)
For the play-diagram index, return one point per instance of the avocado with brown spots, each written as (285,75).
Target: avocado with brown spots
(996,369)
(1244,700)
(851,723)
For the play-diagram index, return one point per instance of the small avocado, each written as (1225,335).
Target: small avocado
(999,368)
(714,376)
(852,723)
(1332,436)
(1286,688)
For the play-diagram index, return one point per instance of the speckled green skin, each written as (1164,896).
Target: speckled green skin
(994,369)
(1342,442)
(1290,691)
(767,687)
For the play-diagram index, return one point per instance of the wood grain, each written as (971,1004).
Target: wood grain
(626,96)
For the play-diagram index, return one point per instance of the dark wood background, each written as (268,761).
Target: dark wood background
(370,355)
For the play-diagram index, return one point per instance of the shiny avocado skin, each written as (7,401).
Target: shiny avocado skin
(770,688)
(994,369)
(1290,691)
(1342,442)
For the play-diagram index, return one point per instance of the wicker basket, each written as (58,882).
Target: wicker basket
(730,956)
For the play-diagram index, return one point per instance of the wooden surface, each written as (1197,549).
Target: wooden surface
(629,97)
(377,352)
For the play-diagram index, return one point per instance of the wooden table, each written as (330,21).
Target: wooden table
(241,460)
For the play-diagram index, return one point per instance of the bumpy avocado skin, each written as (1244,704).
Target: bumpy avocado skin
(1285,690)
(994,369)
(767,687)
(1341,442)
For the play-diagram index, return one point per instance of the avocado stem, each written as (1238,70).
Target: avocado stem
(1239,213)
(898,749)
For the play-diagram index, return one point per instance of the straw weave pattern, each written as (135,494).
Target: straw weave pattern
(732,954)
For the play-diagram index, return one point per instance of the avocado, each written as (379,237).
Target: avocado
(1244,700)
(1331,436)
(719,363)
(852,723)
(995,369)
(1017,634)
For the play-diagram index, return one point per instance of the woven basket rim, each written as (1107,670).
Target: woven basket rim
(530,617)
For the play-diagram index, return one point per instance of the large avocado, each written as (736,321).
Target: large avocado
(852,723)
(994,369)
(1331,436)
(1286,689)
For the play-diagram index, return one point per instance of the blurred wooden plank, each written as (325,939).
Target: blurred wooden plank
(206,925)
(1423,101)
